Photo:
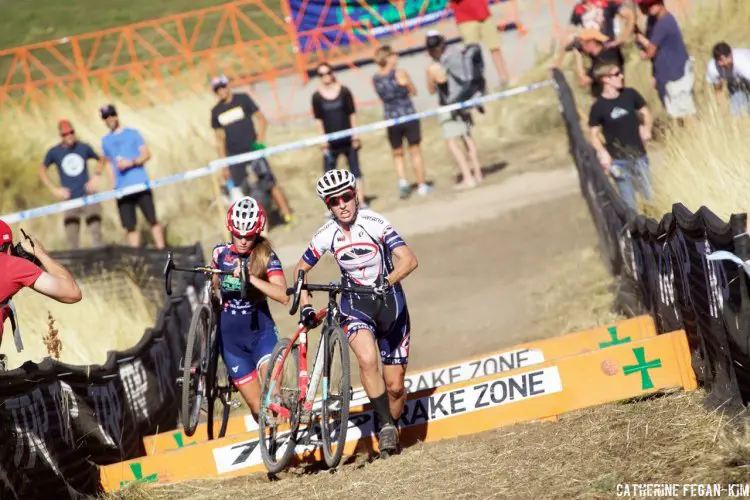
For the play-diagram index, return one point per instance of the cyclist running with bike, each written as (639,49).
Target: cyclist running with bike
(246,330)
(363,243)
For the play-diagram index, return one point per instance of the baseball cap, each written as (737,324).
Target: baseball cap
(108,110)
(592,34)
(219,81)
(6,235)
(434,39)
(65,127)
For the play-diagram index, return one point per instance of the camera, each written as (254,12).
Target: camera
(17,250)
(574,45)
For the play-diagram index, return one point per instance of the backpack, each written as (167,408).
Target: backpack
(465,69)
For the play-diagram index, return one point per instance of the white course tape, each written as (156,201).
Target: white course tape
(219,164)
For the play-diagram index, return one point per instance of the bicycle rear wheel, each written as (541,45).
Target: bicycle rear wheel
(194,368)
(277,446)
(336,396)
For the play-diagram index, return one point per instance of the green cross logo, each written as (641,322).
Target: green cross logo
(177,436)
(137,471)
(614,340)
(643,367)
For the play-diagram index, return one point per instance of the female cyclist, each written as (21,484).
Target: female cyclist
(363,243)
(247,332)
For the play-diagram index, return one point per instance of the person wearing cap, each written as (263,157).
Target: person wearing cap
(456,128)
(16,273)
(672,66)
(475,24)
(127,154)
(236,133)
(593,44)
(70,156)
(600,15)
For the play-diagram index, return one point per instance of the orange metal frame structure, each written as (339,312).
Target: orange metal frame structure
(251,41)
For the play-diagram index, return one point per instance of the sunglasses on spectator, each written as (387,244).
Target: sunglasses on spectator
(107,115)
(65,134)
(616,73)
(323,73)
(334,201)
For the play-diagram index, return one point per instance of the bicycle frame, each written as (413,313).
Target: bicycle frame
(307,384)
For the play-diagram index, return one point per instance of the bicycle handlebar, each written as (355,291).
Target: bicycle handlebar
(330,288)
(169,267)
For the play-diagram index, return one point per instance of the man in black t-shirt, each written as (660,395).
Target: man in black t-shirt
(71,157)
(232,121)
(621,116)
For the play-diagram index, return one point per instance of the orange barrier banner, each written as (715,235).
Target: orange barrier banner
(527,354)
(552,388)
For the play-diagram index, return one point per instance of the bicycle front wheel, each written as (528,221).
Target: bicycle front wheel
(278,432)
(336,396)
(194,368)
(215,375)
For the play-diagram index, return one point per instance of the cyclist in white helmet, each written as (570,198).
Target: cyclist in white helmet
(363,243)
(247,332)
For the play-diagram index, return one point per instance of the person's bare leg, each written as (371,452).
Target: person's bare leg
(467,179)
(250,392)
(366,351)
(157,232)
(474,158)
(393,375)
(415,155)
(502,69)
(361,191)
(398,162)
(134,238)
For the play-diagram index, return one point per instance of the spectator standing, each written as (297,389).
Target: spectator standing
(456,127)
(731,66)
(70,156)
(593,44)
(54,280)
(127,154)
(617,115)
(236,133)
(475,24)
(395,89)
(671,64)
(333,107)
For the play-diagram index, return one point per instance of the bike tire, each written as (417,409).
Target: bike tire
(212,384)
(339,352)
(274,464)
(195,383)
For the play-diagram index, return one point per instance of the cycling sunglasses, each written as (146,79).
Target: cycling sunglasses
(334,201)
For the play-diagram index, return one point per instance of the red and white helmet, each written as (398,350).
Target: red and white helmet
(246,217)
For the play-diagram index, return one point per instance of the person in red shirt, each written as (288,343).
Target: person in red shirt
(475,24)
(52,279)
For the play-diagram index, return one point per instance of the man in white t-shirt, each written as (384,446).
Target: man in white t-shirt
(733,67)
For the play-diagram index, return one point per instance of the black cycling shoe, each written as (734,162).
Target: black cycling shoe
(388,441)
(3,362)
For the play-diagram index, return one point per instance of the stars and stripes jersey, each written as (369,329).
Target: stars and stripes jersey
(226,258)
(362,257)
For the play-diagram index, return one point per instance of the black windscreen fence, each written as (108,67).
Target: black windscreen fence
(662,268)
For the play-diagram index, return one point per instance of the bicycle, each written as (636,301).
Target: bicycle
(296,402)
(200,374)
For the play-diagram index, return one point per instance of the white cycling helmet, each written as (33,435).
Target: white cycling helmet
(246,217)
(335,182)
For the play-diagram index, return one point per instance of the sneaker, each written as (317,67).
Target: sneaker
(289,219)
(388,440)
(3,362)
(404,192)
(424,189)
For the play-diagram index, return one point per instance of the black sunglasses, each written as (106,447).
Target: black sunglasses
(107,115)
(334,201)
(65,134)
(323,73)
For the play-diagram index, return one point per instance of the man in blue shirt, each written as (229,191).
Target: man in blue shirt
(672,66)
(127,152)
(71,157)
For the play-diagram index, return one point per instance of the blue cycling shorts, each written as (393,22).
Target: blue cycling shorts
(244,348)
(391,327)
